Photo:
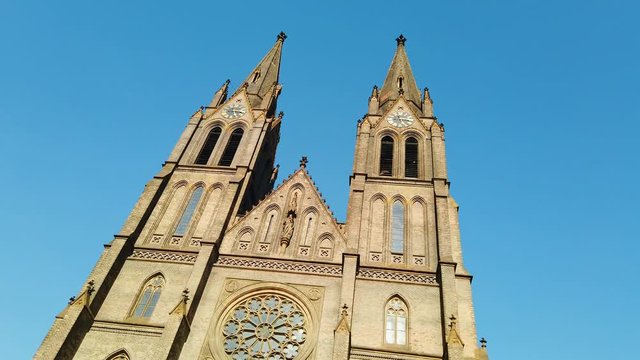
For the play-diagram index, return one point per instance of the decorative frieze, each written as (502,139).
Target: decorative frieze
(401,276)
(164,256)
(280,265)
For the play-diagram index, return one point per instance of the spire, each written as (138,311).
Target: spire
(264,77)
(400,80)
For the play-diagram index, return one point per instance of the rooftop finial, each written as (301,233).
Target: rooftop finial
(303,162)
(483,341)
(282,36)
(401,40)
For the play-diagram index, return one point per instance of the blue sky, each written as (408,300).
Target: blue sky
(539,100)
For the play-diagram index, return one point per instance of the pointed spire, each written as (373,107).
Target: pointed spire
(400,80)
(264,77)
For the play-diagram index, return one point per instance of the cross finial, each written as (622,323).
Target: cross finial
(345,309)
(282,36)
(303,162)
(483,341)
(452,325)
(401,40)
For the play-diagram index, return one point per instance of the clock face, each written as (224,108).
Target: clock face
(233,111)
(400,118)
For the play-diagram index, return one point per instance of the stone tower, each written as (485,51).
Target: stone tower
(214,263)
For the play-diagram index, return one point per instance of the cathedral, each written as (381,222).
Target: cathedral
(216,263)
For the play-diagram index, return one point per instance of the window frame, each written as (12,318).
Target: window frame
(404,307)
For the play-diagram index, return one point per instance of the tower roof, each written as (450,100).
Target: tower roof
(261,80)
(400,80)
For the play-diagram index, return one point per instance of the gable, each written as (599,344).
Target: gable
(293,222)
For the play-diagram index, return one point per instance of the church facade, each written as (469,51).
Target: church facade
(214,263)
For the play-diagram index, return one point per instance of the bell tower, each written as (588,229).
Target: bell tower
(403,222)
(146,286)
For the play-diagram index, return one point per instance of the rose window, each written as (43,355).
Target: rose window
(267,326)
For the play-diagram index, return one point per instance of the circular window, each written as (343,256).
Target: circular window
(265,326)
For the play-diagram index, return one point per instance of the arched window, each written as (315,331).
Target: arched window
(411,158)
(397,227)
(209,145)
(386,156)
(232,147)
(187,214)
(396,315)
(148,297)
(119,355)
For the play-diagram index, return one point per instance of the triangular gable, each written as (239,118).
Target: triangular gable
(401,105)
(239,98)
(292,222)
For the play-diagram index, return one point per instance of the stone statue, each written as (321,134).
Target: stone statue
(287,231)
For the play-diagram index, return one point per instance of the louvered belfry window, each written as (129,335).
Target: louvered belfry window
(411,158)
(386,156)
(232,147)
(209,145)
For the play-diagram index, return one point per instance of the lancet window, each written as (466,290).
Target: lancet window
(148,297)
(188,212)
(209,145)
(411,158)
(396,316)
(397,227)
(386,156)
(232,146)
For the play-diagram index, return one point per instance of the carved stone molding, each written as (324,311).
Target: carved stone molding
(401,276)
(370,354)
(164,256)
(335,270)
(128,329)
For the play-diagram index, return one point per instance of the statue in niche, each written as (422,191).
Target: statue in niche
(294,203)
(287,230)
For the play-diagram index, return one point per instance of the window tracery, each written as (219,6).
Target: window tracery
(148,297)
(266,326)
(396,322)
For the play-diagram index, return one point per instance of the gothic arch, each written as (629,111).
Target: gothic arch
(202,138)
(377,223)
(163,224)
(269,225)
(121,354)
(147,296)
(310,217)
(398,225)
(396,315)
(189,209)
(418,231)
(383,163)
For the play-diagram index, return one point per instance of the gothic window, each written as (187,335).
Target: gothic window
(148,297)
(187,214)
(411,158)
(396,315)
(232,147)
(266,326)
(400,81)
(119,355)
(209,145)
(386,156)
(397,227)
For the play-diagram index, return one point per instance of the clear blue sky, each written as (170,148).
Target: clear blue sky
(540,100)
